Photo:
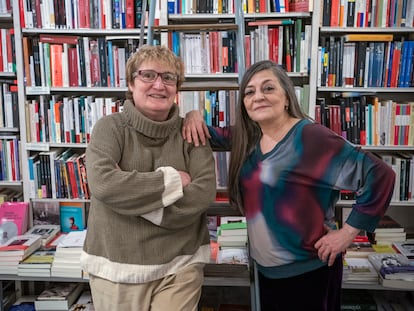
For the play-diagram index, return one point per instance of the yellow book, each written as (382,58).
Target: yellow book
(383,248)
(369,37)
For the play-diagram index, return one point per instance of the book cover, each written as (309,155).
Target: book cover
(47,232)
(46,213)
(58,296)
(13,220)
(72,216)
(39,259)
(393,266)
(405,248)
(21,245)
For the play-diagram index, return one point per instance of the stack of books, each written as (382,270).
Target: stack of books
(360,247)
(37,264)
(67,256)
(58,296)
(394,270)
(388,231)
(232,240)
(359,271)
(17,249)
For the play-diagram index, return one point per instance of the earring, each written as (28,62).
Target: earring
(286,108)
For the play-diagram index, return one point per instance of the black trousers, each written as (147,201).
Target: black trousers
(318,290)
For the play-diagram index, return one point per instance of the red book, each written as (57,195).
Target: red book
(73,66)
(58,39)
(56,51)
(130,14)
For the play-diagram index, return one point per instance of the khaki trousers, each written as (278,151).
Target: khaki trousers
(178,292)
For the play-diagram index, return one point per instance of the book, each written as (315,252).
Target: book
(13,220)
(21,245)
(233,228)
(233,256)
(405,248)
(72,216)
(47,232)
(58,296)
(368,37)
(232,240)
(394,270)
(46,213)
(39,259)
(388,224)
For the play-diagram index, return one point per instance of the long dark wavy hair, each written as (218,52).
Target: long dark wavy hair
(247,132)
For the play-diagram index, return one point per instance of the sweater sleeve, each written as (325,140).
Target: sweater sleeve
(132,193)
(199,194)
(347,167)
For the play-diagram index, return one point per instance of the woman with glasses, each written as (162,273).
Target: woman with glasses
(285,175)
(147,239)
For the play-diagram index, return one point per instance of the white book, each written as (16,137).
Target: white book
(47,232)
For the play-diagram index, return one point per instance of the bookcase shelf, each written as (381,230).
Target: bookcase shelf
(389,90)
(346,30)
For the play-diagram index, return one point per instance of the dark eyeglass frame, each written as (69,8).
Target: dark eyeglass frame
(168,78)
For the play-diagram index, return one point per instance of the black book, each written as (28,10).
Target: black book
(103,61)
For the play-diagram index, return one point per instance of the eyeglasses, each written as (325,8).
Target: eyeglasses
(150,76)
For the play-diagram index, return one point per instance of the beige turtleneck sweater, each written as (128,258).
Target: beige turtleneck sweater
(142,224)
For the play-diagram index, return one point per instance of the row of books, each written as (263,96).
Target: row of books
(9,113)
(287,42)
(218,107)
(9,158)
(206,52)
(7,50)
(100,14)
(368,13)
(66,119)
(227,7)
(63,61)
(354,61)
(59,173)
(366,120)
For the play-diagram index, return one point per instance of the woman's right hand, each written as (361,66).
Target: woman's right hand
(185,178)
(194,128)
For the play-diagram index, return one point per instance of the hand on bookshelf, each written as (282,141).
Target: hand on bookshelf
(194,128)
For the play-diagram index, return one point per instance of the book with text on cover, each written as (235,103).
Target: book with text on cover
(72,216)
(47,232)
(21,245)
(394,270)
(13,220)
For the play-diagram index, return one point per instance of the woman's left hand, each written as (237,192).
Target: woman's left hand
(335,242)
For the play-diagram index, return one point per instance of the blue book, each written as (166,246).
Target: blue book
(72,216)
(110,64)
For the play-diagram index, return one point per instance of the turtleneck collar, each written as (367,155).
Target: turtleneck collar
(149,127)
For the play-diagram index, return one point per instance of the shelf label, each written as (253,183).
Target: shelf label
(37,90)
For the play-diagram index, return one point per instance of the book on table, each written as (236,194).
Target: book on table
(405,248)
(46,231)
(394,270)
(21,246)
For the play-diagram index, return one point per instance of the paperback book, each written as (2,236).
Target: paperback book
(394,270)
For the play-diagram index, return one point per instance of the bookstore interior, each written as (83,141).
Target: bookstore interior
(63,67)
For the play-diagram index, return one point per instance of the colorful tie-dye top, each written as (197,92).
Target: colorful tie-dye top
(290,192)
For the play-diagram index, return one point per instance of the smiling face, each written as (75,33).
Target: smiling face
(153,99)
(264,98)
